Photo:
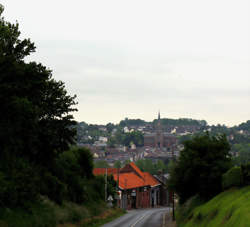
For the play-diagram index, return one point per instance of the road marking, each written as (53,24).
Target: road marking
(164,219)
(138,220)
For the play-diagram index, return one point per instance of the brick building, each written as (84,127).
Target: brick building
(159,139)
(138,189)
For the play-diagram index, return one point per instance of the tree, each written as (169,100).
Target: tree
(101,164)
(243,153)
(200,167)
(118,164)
(35,119)
(35,116)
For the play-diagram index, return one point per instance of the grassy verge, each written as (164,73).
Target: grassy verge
(230,208)
(105,217)
(49,214)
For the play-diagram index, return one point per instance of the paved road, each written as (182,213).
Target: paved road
(141,218)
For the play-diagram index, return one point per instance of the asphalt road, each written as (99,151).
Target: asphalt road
(155,217)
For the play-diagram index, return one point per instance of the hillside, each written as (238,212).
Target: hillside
(230,208)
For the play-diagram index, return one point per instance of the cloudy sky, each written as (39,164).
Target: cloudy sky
(130,58)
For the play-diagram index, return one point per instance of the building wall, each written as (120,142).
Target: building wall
(160,140)
(141,200)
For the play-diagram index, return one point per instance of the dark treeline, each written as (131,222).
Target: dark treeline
(36,134)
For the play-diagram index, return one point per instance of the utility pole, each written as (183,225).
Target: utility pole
(117,185)
(106,176)
(173,218)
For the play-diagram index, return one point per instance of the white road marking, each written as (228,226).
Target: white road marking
(164,219)
(138,220)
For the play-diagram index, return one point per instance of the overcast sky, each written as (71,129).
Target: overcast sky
(130,58)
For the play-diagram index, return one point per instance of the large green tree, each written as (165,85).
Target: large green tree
(35,120)
(35,116)
(200,167)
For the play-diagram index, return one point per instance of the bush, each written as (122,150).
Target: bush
(246,173)
(18,184)
(53,188)
(232,177)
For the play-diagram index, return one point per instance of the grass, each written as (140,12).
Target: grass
(49,214)
(230,208)
(105,217)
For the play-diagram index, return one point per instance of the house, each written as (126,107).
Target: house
(138,189)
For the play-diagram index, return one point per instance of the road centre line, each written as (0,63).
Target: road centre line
(138,220)
(164,219)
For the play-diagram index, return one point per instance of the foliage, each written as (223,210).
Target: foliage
(117,164)
(48,214)
(135,137)
(35,118)
(19,186)
(109,215)
(101,164)
(147,165)
(131,122)
(246,173)
(229,208)
(181,122)
(245,126)
(242,152)
(184,138)
(233,177)
(200,167)
(36,157)
(75,169)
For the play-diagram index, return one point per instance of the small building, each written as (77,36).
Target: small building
(138,189)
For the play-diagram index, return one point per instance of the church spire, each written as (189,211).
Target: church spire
(159,115)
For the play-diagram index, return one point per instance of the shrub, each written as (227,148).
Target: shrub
(232,177)
(246,173)
(53,188)
(19,184)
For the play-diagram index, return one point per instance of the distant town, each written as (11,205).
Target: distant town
(135,139)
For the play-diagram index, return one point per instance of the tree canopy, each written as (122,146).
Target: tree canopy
(35,121)
(200,167)
(35,116)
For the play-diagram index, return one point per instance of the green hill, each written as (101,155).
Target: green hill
(230,208)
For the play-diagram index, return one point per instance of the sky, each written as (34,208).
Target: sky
(188,59)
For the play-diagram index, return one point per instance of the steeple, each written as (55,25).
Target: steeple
(159,115)
(159,121)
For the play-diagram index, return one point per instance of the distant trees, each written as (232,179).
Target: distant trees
(101,164)
(200,167)
(135,137)
(131,122)
(126,139)
(242,152)
(245,126)
(147,165)
(181,122)
(117,164)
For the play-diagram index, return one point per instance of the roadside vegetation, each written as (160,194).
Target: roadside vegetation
(229,209)
(44,179)
(199,169)
(211,191)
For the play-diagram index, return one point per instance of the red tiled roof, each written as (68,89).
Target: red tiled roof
(102,171)
(150,180)
(136,169)
(129,180)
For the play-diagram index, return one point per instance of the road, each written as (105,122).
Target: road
(142,218)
